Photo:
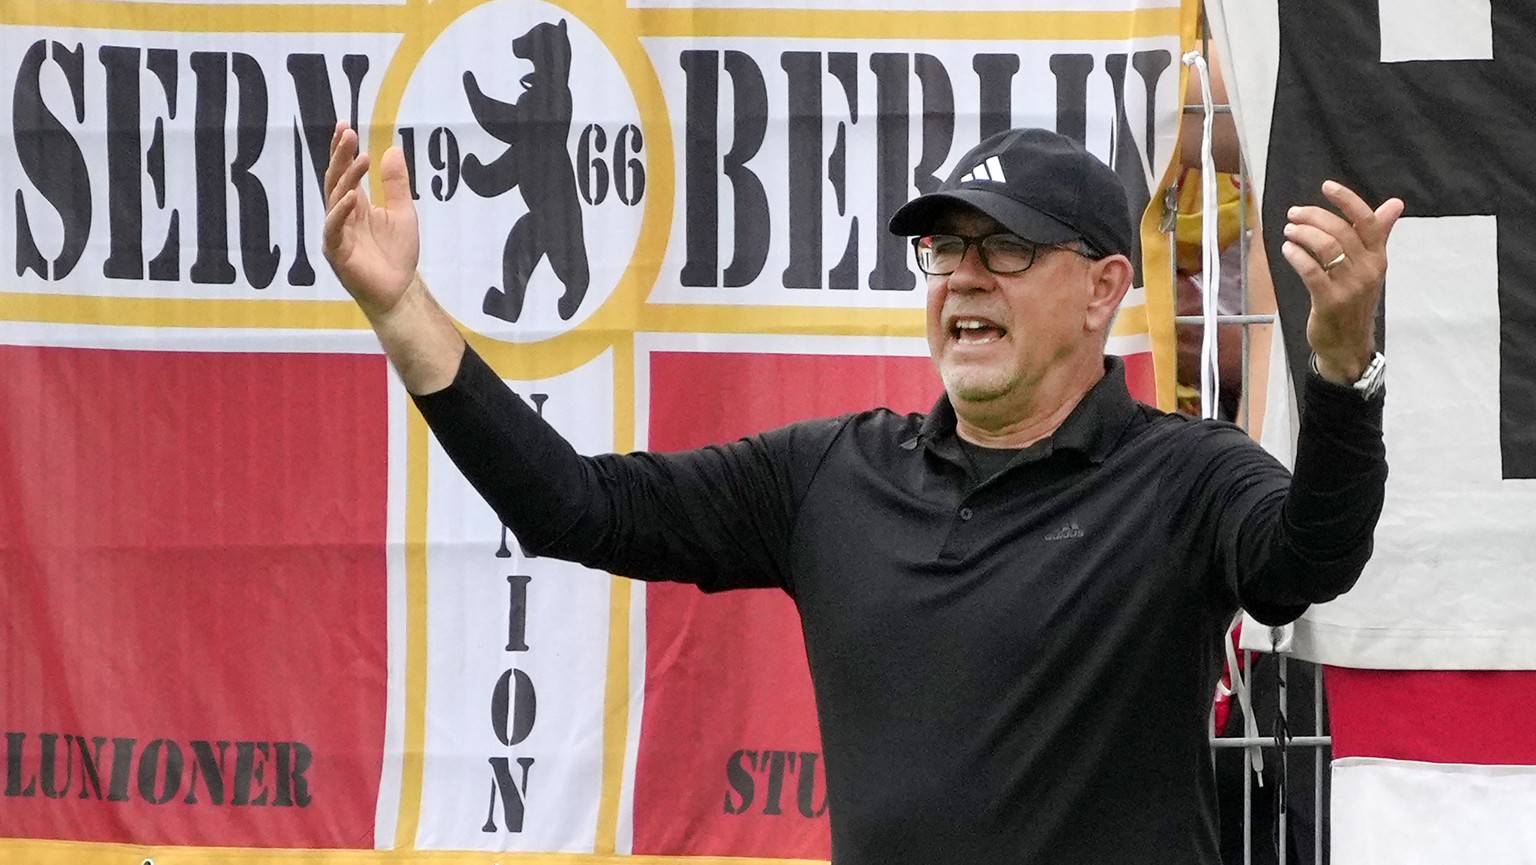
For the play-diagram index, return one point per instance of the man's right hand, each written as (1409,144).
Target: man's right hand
(374,250)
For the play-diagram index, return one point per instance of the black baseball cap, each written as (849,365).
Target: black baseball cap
(1039,185)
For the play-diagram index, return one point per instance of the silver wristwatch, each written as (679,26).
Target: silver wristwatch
(1370,381)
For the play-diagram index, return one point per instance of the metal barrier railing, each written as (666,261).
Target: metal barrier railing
(1284,740)
(1317,741)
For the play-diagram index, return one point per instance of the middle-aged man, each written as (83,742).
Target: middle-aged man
(1012,605)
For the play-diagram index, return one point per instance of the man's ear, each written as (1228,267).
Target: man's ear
(1110,278)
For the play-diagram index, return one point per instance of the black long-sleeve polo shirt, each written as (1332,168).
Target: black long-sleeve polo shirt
(1018,671)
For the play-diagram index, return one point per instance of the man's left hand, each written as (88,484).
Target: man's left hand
(1343,262)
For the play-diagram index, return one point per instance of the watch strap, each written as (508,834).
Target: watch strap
(1371,381)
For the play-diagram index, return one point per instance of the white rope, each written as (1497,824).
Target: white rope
(1240,689)
(1210,254)
(1210,369)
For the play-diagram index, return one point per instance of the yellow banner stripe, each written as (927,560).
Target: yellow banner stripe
(707,318)
(884,24)
(213,18)
(1130,321)
(617,686)
(178,312)
(413,761)
(781,23)
(839,321)
(82,853)
(344,315)
(615,710)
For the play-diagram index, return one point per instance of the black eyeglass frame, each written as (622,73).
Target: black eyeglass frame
(979,241)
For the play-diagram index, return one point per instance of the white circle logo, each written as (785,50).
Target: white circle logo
(528,165)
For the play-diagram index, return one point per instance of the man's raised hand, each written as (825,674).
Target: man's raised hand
(374,250)
(1343,262)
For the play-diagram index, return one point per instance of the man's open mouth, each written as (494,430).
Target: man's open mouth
(975,330)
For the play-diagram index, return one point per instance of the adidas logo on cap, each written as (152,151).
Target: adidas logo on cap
(991,170)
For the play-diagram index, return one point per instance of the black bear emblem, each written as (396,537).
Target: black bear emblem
(535,128)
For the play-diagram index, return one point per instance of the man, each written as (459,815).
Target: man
(1012,606)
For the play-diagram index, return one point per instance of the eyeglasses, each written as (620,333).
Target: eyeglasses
(1003,254)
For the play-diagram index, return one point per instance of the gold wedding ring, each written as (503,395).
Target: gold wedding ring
(1334,263)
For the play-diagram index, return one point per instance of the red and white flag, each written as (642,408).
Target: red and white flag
(249,611)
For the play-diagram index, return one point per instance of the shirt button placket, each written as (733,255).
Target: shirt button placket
(956,547)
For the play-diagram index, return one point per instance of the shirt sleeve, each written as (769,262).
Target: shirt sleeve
(719,517)
(1286,542)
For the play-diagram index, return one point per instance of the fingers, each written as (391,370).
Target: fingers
(1323,232)
(1319,244)
(1359,236)
(347,165)
(1303,262)
(350,179)
(1342,259)
(395,179)
(343,148)
(1383,218)
(1360,228)
(1372,226)
(1346,200)
(334,235)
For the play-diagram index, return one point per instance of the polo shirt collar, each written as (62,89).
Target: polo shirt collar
(1092,428)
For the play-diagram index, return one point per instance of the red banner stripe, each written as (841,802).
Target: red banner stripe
(699,764)
(192,572)
(1440,716)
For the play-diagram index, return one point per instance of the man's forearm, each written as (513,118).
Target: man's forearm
(420,340)
(1324,537)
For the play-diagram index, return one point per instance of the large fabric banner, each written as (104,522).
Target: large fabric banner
(1429,102)
(250,611)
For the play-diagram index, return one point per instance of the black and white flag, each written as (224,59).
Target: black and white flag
(1434,103)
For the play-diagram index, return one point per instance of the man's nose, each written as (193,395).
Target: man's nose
(971,274)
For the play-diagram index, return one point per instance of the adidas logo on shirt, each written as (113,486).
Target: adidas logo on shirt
(1067,532)
(992,170)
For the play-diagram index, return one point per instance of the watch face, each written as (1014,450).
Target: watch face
(1374,377)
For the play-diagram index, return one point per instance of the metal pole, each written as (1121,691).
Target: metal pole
(1317,762)
(1282,779)
(1269,742)
(1226,319)
(1247,782)
(1246,396)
